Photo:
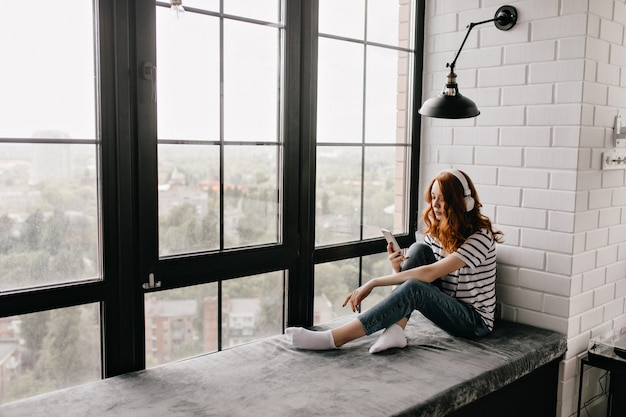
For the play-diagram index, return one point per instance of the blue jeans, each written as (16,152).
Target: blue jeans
(450,314)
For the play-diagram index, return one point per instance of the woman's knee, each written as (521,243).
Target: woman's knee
(418,254)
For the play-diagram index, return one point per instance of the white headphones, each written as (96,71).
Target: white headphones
(469,200)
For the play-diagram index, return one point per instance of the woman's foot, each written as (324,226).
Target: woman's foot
(392,337)
(302,338)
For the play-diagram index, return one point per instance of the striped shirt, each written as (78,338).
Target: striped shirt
(475,283)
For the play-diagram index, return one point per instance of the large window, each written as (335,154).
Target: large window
(48,147)
(49,193)
(219,118)
(220,167)
(364,96)
(366,60)
(177,186)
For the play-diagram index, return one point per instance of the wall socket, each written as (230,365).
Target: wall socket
(615,159)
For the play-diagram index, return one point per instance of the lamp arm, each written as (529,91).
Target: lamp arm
(505,18)
(470,26)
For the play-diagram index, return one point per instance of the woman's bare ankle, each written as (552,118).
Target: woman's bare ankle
(348,332)
(402,323)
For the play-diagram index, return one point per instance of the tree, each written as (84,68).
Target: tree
(269,318)
(53,232)
(336,280)
(33,329)
(67,357)
(177,230)
(7,240)
(65,347)
(32,235)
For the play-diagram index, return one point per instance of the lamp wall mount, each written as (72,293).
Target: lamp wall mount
(505,18)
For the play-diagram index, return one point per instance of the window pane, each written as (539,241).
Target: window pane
(384,181)
(333,282)
(251,76)
(180,323)
(49,351)
(390,22)
(188,76)
(266,10)
(184,322)
(47,88)
(251,206)
(338,190)
(48,214)
(364,96)
(193,179)
(189,193)
(252,308)
(340,92)
(342,18)
(386,96)
(375,266)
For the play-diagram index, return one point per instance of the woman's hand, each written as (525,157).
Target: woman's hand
(396,258)
(358,295)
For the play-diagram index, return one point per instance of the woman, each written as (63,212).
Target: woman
(450,278)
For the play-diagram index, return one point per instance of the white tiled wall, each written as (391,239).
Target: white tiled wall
(548,91)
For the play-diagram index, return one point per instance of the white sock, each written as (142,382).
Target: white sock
(309,339)
(392,337)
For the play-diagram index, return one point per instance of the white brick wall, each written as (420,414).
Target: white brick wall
(548,91)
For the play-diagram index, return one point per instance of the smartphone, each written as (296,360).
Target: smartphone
(391,239)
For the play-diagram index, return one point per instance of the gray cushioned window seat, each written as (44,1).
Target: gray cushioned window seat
(513,371)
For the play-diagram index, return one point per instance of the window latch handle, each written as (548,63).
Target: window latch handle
(151,284)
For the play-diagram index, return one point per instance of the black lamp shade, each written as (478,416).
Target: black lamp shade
(449,107)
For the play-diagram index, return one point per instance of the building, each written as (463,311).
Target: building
(241,319)
(169,325)
(10,352)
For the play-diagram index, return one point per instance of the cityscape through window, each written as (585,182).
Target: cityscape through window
(178,184)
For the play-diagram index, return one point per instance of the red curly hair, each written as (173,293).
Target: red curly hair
(457,224)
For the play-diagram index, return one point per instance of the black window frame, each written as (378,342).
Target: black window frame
(128,151)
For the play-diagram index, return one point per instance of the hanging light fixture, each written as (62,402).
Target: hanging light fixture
(176,9)
(450,104)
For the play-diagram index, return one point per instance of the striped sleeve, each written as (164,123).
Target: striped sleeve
(475,250)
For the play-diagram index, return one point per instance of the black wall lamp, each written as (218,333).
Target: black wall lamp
(450,104)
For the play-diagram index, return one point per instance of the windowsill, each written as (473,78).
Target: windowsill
(269,377)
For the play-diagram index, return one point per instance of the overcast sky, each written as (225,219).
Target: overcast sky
(47,71)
